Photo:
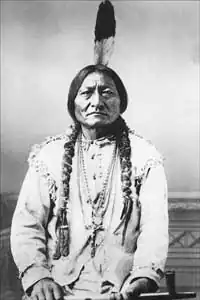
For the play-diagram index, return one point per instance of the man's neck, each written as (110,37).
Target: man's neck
(95,133)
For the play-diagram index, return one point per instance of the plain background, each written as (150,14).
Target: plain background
(45,43)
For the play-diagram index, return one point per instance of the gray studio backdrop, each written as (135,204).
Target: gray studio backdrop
(43,45)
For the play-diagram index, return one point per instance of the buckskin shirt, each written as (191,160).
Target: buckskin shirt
(141,252)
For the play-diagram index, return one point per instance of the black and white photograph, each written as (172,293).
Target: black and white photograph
(100,168)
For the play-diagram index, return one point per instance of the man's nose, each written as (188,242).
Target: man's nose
(96,99)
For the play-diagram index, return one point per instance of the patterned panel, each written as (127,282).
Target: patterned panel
(184,239)
(184,251)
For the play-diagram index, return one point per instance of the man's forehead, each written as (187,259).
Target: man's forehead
(101,79)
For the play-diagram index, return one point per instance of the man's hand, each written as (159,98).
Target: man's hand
(46,289)
(138,286)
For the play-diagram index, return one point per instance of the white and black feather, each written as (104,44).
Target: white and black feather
(105,29)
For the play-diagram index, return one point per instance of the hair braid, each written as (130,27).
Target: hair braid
(121,130)
(62,248)
(124,146)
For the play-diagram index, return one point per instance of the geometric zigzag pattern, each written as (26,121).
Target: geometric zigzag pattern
(184,239)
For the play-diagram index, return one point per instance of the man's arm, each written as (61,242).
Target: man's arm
(152,244)
(28,231)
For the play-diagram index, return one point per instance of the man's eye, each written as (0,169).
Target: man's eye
(86,93)
(107,93)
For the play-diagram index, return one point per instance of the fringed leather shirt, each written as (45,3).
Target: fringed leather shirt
(131,248)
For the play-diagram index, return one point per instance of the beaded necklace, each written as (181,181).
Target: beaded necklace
(128,190)
(98,205)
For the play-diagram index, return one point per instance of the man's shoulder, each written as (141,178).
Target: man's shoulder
(143,151)
(138,142)
(50,149)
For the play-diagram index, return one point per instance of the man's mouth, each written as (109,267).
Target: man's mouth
(97,113)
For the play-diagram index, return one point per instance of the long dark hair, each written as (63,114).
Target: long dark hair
(83,73)
(120,130)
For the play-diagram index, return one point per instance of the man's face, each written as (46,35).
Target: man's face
(97,103)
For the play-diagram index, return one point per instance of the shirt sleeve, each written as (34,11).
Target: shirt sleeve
(152,244)
(28,237)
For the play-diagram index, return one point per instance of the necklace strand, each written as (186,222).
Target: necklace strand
(129,191)
(97,206)
(105,181)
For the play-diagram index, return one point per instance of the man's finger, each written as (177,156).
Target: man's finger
(105,289)
(49,294)
(58,294)
(35,297)
(115,296)
(41,296)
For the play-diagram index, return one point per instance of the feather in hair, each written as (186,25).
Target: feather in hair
(104,33)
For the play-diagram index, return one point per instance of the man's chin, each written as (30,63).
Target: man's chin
(97,124)
(97,120)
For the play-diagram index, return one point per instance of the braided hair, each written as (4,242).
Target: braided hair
(118,129)
(121,131)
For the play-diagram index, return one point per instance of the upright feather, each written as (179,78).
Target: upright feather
(104,33)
